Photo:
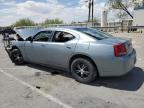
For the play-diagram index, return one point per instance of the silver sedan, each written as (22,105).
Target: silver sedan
(84,52)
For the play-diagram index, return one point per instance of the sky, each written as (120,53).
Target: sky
(39,10)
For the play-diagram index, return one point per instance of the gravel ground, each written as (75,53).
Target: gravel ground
(34,86)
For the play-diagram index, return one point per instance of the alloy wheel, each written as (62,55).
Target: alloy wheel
(82,70)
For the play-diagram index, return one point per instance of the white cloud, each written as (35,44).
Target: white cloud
(38,11)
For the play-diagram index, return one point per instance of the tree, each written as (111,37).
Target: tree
(52,21)
(121,14)
(24,22)
(121,4)
(94,20)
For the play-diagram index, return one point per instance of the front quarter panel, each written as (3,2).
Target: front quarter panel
(21,46)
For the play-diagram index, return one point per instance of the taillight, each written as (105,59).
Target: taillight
(120,50)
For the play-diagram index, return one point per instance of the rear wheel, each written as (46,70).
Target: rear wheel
(16,57)
(83,70)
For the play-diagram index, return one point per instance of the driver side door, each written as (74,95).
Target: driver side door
(37,49)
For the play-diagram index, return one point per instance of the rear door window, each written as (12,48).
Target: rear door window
(62,37)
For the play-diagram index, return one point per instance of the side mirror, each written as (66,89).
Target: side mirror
(30,39)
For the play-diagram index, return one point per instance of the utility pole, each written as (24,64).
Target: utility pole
(90,10)
(89,13)
(92,3)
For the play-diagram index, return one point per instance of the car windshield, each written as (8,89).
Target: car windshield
(94,33)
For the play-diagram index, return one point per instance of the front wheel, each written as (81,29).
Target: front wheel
(16,57)
(83,70)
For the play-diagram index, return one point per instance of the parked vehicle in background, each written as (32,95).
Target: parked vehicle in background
(86,53)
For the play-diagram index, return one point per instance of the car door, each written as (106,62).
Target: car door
(62,46)
(38,48)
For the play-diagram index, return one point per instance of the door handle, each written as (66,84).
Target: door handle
(68,47)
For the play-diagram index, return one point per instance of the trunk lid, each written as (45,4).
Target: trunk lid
(115,40)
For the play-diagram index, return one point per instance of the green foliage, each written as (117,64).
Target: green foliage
(94,20)
(122,15)
(52,21)
(24,22)
(115,4)
(29,22)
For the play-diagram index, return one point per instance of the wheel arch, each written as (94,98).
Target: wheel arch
(83,56)
(14,47)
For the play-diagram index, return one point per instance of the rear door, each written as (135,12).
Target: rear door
(61,47)
(37,50)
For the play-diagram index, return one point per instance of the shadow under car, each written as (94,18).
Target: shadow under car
(129,82)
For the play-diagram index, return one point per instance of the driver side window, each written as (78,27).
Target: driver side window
(43,36)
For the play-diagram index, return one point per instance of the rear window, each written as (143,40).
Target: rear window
(94,33)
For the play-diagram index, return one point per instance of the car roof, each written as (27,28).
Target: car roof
(63,28)
(31,31)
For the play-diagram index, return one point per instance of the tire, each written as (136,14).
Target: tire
(83,70)
(16,57)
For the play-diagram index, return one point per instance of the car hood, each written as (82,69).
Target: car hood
(27,32)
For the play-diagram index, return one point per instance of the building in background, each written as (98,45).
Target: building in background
(138,16)
(104,18)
